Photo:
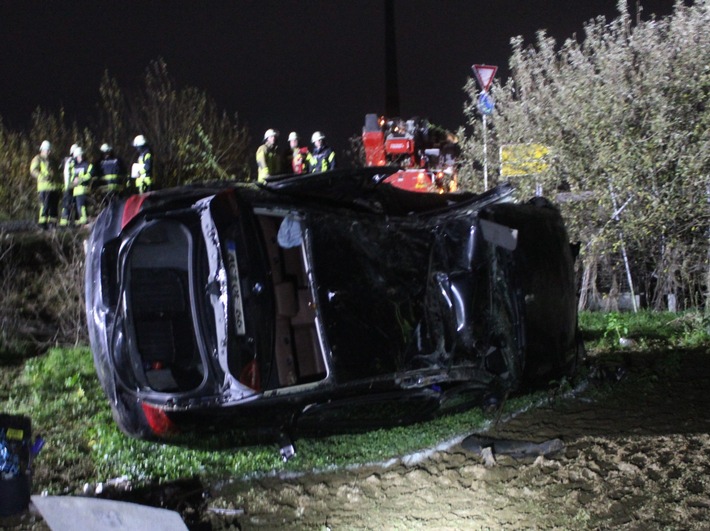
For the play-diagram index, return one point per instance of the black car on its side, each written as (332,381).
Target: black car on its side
(323,302)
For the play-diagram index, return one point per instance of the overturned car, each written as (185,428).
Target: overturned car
(323,302)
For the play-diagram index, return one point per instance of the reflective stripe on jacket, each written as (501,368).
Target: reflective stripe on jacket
(299,160)
(112,173)
(267,162)
(143,171)
(81,177)
(145,164)
(42,170)
(68,172)
(323,159)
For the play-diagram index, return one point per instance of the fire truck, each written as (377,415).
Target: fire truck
(425,154)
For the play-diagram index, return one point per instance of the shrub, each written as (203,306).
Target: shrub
(624,113)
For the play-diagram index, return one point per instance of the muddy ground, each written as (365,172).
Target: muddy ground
(636,456)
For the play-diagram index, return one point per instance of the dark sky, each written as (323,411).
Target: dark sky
(306,65)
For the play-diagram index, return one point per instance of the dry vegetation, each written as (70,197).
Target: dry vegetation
(41,292)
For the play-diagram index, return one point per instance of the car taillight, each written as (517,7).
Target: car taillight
(132,207)
(158,420)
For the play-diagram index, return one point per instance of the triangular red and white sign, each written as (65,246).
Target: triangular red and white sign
(484,75)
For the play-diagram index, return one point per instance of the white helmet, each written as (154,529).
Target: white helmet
(292,136)
(72,149)
(105,148)
(45,146)
(270,132)
(78,152)
(139,141)
(317,136)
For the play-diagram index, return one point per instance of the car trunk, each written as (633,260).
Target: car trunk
(159,272)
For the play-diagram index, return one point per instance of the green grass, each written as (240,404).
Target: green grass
(603,330)
(61,394)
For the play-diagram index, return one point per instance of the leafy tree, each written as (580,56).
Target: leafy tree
(112,113)
(190,138)
(624,113)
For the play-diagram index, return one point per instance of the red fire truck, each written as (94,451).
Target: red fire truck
(425,154)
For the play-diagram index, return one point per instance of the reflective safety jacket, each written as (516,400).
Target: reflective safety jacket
(112,173)
(68,173)
(299,160)
(142,170)
(322,159)
(82,173)
(268,162)
(47,177)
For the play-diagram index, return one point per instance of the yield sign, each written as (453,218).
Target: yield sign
(484,75)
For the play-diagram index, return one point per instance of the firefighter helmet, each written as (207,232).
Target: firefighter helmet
(72,149)
(78,152)
(292,136)
(139,141)
(270,132)
(105,148)
(317,136)
(45,146)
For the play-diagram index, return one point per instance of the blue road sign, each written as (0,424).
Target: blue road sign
(485,103)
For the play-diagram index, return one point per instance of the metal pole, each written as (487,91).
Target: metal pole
(485,155)
(623,251)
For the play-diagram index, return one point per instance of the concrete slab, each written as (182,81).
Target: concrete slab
(68,513)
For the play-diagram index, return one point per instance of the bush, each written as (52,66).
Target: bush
(624,114)
(42,292)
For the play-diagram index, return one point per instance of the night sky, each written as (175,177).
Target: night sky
(305,65)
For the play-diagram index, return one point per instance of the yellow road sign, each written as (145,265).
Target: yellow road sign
(519,160)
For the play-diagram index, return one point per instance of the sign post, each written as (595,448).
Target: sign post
(484,75)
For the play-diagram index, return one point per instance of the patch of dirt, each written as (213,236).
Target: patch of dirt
(636,458)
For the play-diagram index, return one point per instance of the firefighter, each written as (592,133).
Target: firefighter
(48,185)
(67,168)
(298,155)
(142,170)
(267,159)
(323,157)
(81,174)
(112,172)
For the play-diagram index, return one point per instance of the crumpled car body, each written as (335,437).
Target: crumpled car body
(323,302)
